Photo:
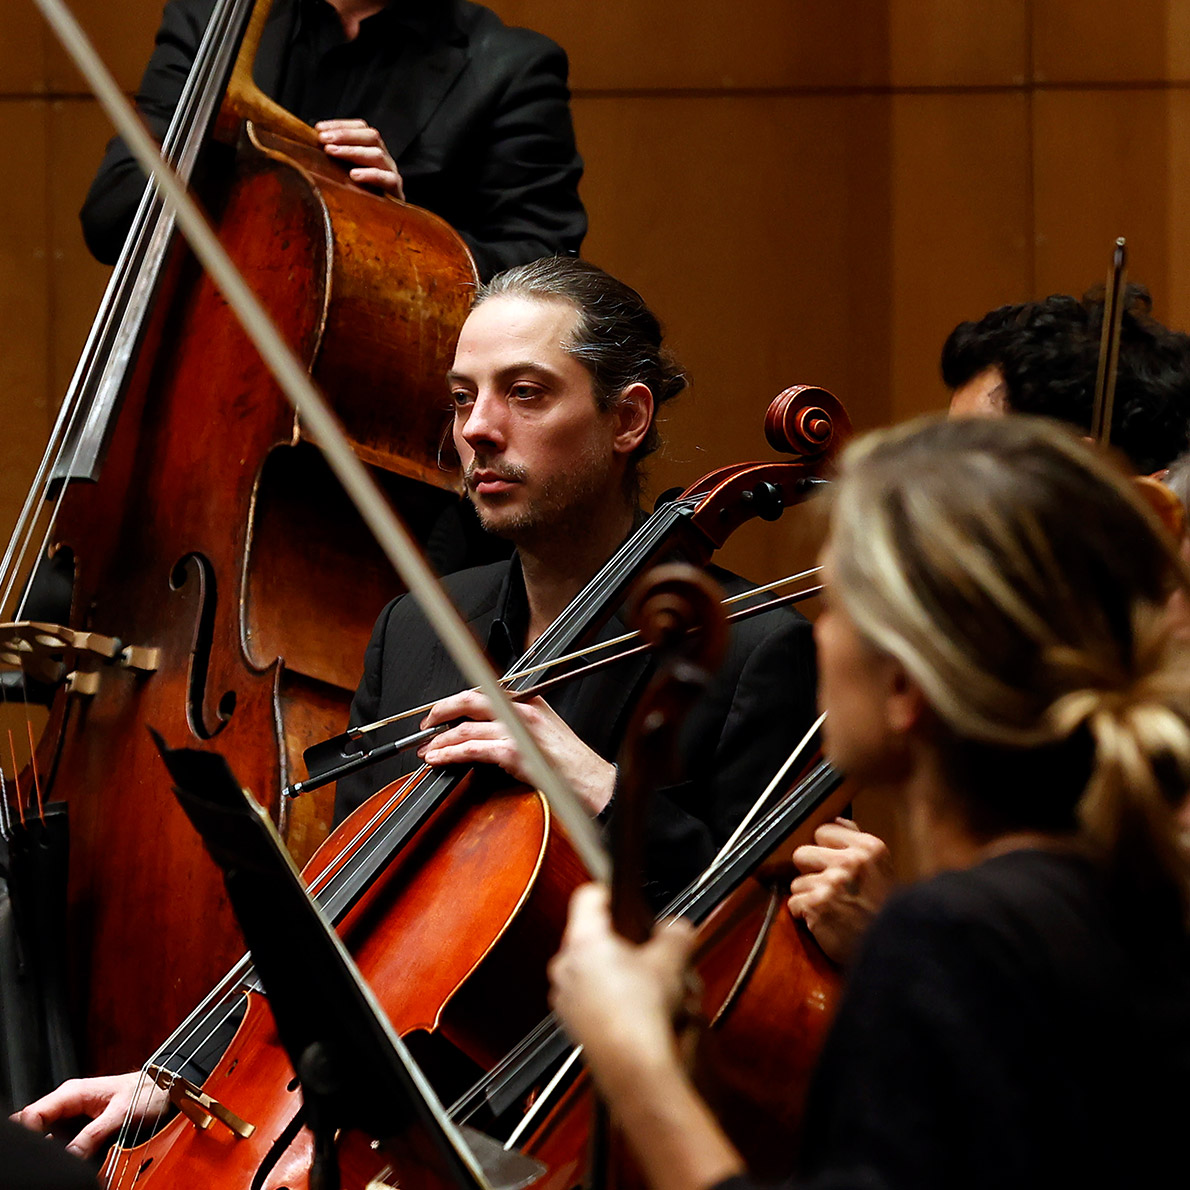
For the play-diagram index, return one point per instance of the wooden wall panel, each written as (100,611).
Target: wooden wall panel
(784,43)
(1102,170)
(938,43)
(22,52)
(741,258)
(121,32)
(1173,300)
(959,243)
(77,130)
(705,44)
(757,229)
(25,307)
(1104,41)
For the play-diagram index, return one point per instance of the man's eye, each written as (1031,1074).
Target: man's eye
(524,392)
(460,399)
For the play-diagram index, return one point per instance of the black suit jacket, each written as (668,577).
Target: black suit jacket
(759,705)
(475,113)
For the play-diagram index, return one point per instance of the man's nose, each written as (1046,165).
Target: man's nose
(486,423)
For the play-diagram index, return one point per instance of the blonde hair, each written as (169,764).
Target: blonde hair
(1022,583)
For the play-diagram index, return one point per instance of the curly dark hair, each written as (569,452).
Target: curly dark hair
(1048,353)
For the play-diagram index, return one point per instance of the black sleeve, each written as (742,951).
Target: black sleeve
(111,202)
(353,790)
(924,1080)
(34,1162)
(526,203)
(732,746)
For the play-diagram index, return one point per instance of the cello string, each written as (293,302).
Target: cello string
(324,880)
(421,789)
(184,1037)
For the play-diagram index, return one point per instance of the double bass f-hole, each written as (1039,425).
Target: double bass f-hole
(206,720)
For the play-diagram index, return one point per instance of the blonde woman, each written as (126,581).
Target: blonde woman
(996,650)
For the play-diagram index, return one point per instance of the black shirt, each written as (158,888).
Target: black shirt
(324,76)
(475,113)
(1007,1026)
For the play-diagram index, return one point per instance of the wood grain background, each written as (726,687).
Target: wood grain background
(804,192)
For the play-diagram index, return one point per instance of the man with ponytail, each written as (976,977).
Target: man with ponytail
(557,381)
(555,387)
(996,650)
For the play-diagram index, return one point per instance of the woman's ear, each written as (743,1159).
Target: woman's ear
(634,415)
(905,704)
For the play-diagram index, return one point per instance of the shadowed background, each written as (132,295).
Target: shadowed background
(804,192)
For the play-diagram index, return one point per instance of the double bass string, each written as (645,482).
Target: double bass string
(103,360)
(181,146)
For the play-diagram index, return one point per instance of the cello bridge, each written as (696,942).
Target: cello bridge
(196,1105)
(54,655)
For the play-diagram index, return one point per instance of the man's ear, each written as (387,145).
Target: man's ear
(905,704)
(633,412)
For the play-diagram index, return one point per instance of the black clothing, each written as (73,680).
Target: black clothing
(1007,1026)
(759,705)
(475,113)
(32,1162)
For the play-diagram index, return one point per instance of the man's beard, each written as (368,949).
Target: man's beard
(566,500)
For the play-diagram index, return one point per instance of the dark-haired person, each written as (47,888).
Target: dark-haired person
(1042,358)
(434,101)
(556,382)
(1021,1016)
(1033,357)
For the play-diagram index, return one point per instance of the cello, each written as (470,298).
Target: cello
(730,497)
(466,970)
(201,582)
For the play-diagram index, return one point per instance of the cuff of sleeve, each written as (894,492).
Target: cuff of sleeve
(606,812)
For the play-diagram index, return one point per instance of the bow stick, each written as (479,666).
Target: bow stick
(394,540)
(1109,345)
(354,733)
(334,758)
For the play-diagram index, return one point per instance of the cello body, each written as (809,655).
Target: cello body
(218,551)
(429,913)
(451,949)
(768,999)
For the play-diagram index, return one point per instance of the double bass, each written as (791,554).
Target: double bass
(205,539)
